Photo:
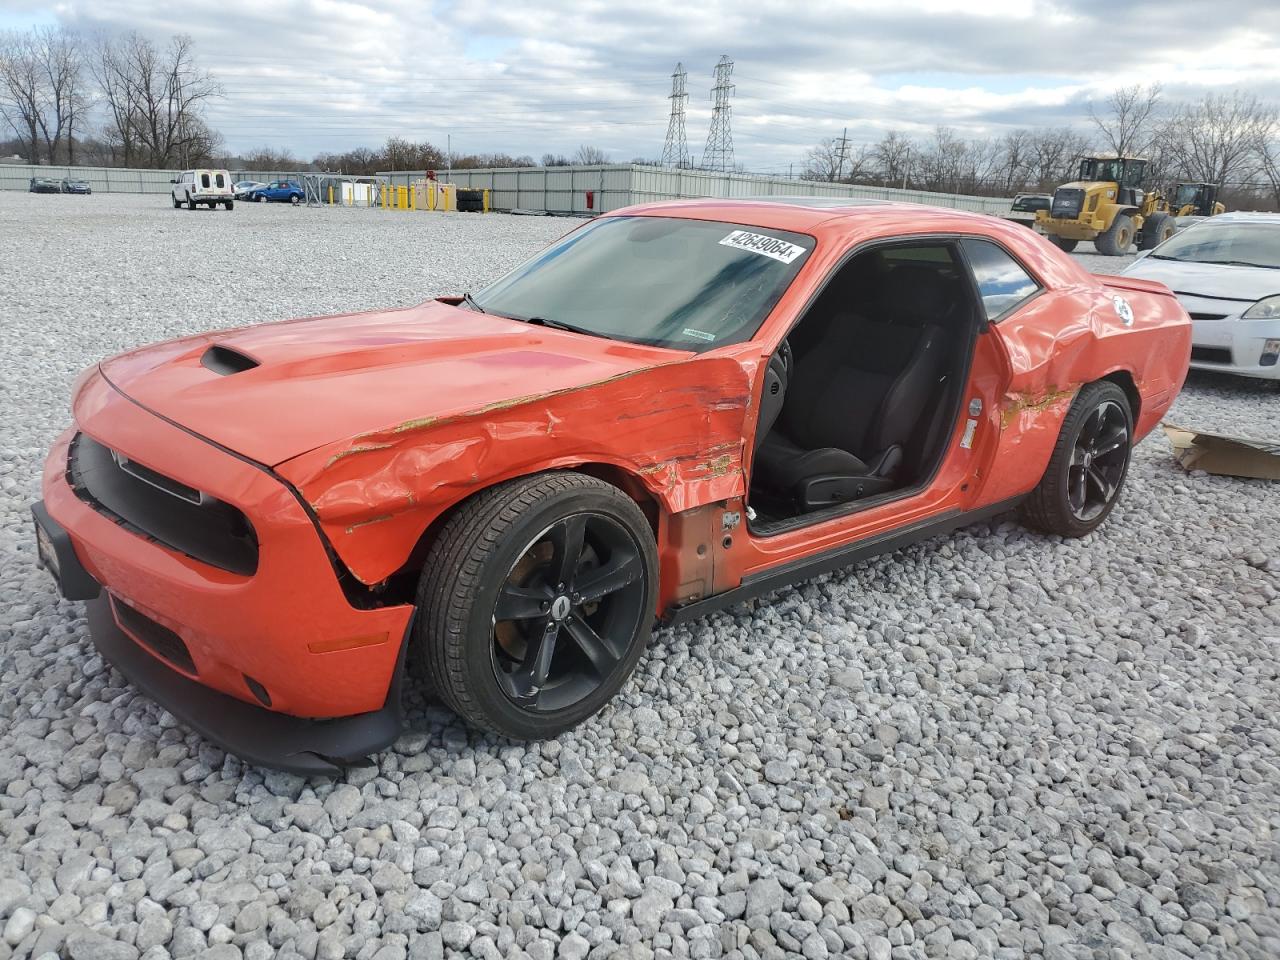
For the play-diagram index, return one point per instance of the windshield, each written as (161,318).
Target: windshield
(1241,244)
(687,284)
(1100,170)
(1187,193)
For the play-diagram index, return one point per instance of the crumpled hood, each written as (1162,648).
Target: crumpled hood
(1216,281)
(275,391)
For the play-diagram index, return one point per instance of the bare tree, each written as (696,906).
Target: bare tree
(21,90)
(60,59)
(892,157)
(154,99)
(824,161)
(586,156)
(1015,159)
(1216,139)
(1054,152)
(1267,150)
(554,160)
(1127,124)
(269,159)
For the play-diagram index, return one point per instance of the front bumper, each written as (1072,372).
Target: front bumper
(285,636)
(1229,343)
(1086,228)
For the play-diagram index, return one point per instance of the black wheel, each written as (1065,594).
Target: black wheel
(230,204)
(262,198)
(295,199)
(1088,466)
(1118,238)
(536,602)
(176,202)
(1156,229)
(1062,243)
(191,204)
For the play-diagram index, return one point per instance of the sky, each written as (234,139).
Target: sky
(531,78)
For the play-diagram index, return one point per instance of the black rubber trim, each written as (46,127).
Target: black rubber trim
(786,574)
(259,736)
(74,582)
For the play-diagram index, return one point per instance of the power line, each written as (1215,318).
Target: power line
(675,152)
(718,154)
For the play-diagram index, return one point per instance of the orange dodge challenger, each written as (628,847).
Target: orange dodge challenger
(675,407)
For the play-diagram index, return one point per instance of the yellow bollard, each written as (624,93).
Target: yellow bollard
(403,197)
(486,201)
(331,194)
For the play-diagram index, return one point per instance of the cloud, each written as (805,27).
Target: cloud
(522,77)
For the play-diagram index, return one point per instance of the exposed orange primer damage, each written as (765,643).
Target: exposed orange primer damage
(1018,404)
(681,438)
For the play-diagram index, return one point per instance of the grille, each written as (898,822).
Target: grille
(1211,354)
(1067,202)
(160,640)
(162,509)
(1207,316)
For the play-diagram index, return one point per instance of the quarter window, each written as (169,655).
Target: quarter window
(1002,283)
(204,180)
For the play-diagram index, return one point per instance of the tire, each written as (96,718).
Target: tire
(261,198)
(1063,244)
(502,542)
(1118,238)
(1156,229)
(295,199)
(1093,424)
(191,204)
(230,204)
(176,202)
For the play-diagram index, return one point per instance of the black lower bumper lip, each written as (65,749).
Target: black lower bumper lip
(256,735)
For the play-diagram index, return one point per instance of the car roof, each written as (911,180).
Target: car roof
(1246,215)
(807,214)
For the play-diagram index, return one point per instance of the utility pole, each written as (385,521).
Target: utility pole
(842,150)
(718,154)
(675,152)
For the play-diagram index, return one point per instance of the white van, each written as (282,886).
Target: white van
(211,187)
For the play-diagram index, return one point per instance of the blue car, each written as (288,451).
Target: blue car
(279,191)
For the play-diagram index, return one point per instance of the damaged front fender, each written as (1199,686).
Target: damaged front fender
(676,428)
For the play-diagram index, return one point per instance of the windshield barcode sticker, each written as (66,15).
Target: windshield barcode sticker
(759,243)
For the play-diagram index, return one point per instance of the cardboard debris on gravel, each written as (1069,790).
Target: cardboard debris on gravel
(1224,455)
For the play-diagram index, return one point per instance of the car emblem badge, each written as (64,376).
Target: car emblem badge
(560,608)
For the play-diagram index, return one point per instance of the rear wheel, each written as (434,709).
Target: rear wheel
(536,602)
(176,202)
(1156,229)
(262,198)
(191,204)
(1117,240)
(1062,243)
(1089,464)
(295,199)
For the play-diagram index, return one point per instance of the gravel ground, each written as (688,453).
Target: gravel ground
(990,745)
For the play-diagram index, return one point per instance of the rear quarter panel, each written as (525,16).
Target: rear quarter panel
(1072,336)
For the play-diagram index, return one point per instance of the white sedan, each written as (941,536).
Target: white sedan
(1226,272)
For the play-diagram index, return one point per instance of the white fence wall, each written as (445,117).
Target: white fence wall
(17,176)
(564,189)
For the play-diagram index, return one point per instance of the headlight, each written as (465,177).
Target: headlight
(1268,308)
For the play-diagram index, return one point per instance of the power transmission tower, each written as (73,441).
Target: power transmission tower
(719,152)
(676,151)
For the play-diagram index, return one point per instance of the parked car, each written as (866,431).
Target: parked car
(278,191)
(1225,271)
(69,185)
(674,408)
(44,185)
(245,187)
(1024,207)
(207,187)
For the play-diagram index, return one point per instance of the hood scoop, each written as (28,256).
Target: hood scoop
(224,361)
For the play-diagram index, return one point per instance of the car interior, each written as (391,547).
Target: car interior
(860,399)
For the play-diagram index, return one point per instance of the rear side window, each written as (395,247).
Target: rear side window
(1002,283)
(204,180)
(218,179)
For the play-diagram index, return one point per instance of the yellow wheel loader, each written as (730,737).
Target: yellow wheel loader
(1197,200)
(1108,205)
